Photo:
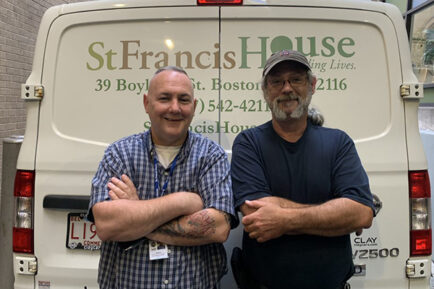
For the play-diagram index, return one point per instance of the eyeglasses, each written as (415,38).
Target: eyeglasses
(296,82)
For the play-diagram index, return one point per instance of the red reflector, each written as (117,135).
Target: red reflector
(24,183)
(419,184)
(22,240)
(219,2)
(420,242)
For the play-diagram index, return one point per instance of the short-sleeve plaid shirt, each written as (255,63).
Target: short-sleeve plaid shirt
(201,167)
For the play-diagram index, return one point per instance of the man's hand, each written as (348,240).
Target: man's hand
(265,222)
(122,189)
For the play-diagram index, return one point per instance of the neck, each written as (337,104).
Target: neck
(290,129)
(167,141)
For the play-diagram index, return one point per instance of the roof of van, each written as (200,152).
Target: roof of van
(54,12)
(127,4)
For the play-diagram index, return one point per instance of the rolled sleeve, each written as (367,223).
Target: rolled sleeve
(215,184)
(109,167)
(248,178)
(349,177)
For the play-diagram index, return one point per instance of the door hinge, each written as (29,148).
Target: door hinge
(411,90)
(417,268)
(26,265)
(32,92)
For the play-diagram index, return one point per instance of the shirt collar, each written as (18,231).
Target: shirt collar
(183,152)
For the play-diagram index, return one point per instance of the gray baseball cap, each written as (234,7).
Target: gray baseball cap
(284,55)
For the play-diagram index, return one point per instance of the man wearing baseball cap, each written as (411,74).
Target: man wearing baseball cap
(300,187)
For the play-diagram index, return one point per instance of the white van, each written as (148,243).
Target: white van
(93,62)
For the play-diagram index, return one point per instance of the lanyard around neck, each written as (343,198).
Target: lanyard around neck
(156,177)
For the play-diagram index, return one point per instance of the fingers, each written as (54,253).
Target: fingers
(247,220)
(120,184)
(252,218)
(253,235)
(247,227)
(262,239)
(251,227)
(128,182)
(256,213)
(260,236)
(254,204)
(259,228)
(122,189)
(252,230)
(116,192)
(113,196)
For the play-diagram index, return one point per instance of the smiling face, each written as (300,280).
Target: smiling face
(288,91)
(170,105)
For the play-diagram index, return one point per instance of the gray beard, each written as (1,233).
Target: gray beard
(301,109)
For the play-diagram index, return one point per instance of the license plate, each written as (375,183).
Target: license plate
(81,233)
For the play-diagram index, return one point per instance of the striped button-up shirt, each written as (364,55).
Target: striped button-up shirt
(201,167)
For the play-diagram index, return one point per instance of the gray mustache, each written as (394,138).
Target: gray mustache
(287,97)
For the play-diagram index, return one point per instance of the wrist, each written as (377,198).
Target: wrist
(293,219)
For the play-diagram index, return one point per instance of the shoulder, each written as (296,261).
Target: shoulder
(255,134)
(199,144)
(204,153)
(335,142)
(133,142)
(330,135)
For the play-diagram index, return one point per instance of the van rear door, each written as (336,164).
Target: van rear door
(354,54)
(97,65)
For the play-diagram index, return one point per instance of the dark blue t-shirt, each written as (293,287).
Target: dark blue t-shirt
(322,165)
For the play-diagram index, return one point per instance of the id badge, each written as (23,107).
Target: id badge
(157,250)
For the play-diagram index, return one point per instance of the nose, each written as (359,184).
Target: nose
(287,87)
(174,106)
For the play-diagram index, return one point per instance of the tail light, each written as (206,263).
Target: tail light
(23,226)
(219,2)
(420,208)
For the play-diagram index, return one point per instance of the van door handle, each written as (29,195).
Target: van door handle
(378,204)
(66,202)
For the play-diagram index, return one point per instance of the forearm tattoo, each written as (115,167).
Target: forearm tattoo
(202,223)
(172,228)
(198,225)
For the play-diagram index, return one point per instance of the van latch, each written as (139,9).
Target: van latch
(377,204)
(32,92)
(26,265)
(417,268)
(413,90)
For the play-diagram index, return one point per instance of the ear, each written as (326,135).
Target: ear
(313,85)
(195,104)
(145,101)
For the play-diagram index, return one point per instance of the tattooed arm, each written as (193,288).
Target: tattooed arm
(199,228)
(203,227)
